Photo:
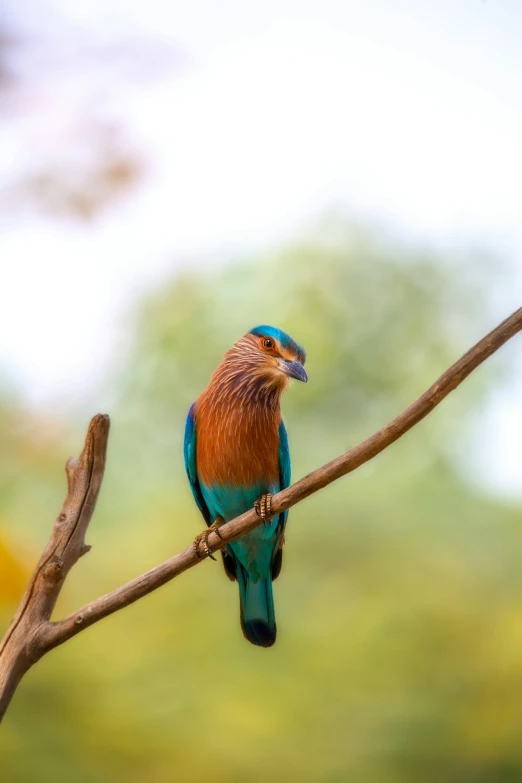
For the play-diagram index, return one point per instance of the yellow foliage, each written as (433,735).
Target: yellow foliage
(14,573)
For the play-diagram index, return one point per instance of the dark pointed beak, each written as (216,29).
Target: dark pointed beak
(294,370)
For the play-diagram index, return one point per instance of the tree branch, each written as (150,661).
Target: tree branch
(31,633)
(25,642)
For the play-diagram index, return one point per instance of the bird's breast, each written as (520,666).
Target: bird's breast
(237,446)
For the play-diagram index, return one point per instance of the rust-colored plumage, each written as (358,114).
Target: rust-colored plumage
(238,418)
(236,450)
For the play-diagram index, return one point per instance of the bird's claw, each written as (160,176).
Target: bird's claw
(263,507)
(202,538)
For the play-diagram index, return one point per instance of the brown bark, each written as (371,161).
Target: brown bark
(26,639)
(32,634)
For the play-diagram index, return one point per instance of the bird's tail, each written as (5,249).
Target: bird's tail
(257,609)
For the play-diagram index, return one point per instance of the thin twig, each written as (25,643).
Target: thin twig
(31,634)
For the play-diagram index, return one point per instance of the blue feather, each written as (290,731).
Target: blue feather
(189,454)
(284,465)
(253,554)
(282,338)
(254,560)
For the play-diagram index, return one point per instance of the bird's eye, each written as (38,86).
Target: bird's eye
(268,343)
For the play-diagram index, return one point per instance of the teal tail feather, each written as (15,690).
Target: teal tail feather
(257,609)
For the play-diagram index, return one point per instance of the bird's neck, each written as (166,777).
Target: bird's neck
(240,386)
(238,419)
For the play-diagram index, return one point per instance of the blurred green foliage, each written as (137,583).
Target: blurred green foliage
(399,654)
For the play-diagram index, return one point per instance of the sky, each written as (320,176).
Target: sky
(250,120)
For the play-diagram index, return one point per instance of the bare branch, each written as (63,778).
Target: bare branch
(24,642)
(31,634)
(347,462)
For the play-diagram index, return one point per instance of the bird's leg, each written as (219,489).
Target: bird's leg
(263,507)
(203,539)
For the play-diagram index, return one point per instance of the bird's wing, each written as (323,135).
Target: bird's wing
(284,465)
(284,482)
(189,452)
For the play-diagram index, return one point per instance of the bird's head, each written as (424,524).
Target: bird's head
(271,354)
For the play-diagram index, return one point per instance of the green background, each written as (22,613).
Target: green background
(399,608)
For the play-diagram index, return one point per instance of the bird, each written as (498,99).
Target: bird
(236,456)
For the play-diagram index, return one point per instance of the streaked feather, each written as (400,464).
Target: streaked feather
(236,449)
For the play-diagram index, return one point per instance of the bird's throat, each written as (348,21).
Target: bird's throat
(238,422)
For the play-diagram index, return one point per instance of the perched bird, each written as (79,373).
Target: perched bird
(236,457)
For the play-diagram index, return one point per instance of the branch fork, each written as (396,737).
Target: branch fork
(32,634)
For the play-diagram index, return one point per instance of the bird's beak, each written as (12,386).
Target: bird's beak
(294,370)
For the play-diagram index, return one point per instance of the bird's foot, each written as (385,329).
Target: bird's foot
(263,507)
(203,540)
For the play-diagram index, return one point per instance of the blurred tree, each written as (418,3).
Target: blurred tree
(61,93)
(31,466)
(7,42)
(400,604)
(13,573)
(97,166)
